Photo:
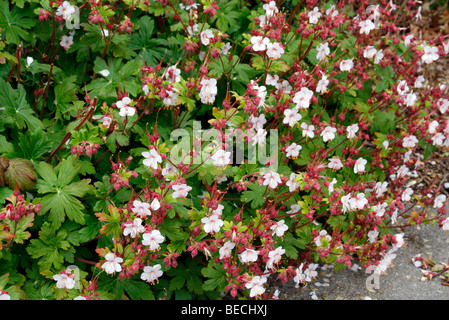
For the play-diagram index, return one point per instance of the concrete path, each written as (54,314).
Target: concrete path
(402,281)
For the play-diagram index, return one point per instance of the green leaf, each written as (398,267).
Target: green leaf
(255,195)
(51,249)
(383,122)
(34,145)
(17,109)
(217,275)
(13,23)
(171,228)
(20,229)
(186,276)
(5,146)
(61,192)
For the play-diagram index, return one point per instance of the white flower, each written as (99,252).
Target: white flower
(358,201)
(151,274)
(406,194)
(274,257)
(125,102)
(445,224)
(256,286)
(193,5)
(272,179)
(212,223)
(270,9)
(379,209)
(299,277)
(171,98)
(366,26)
(112,263)
(332,11)
(63,280)
(347,65)
(272,80)
(310,272)
(274,50)
(258,122)
(379,56)
(322,235)
(133,228)
(221,158)
(331,185)
(398,241)
(152,239)
(259,43)
(345,202)
(65,10)
(152,158)
(328,133)
(29,61)
(409,142)
(322,51)
(226,250)
(372,235)
(291,116)
(314,15)
(430,54)
(380,188)
(402,87)
(294,208)
(105,73)
(173,74)
(259,137)
(292,185)
(293,150)
(302,98)
(403,171)
(322,85)
(219,210)
(208,90)
(369,52)
(141,208)
(438,139)
(352,130)
(192,29)
(410,99)
(433,126)
(284,86)
(225,48)
(359,166)
(127,111)
(4,296)
(205,36)
(249,255)
(419,82)
(180,190)
(308,130)
(335,164)
(279,228)
(443,105)
(66,42)
(439,201)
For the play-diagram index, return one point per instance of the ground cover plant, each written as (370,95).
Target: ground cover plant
(180,149)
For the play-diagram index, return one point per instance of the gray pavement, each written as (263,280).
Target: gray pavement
(401,282)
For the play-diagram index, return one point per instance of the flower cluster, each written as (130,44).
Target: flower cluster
(260,140)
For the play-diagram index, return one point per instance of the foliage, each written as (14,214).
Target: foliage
(175,149)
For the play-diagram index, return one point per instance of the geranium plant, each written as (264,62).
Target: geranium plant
(181,149)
